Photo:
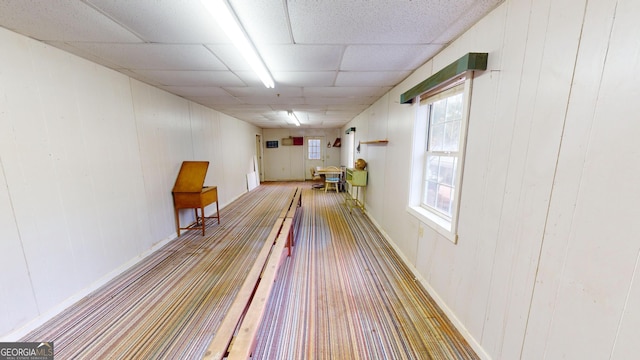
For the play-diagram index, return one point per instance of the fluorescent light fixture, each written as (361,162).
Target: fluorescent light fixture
(227,20)
(293,117)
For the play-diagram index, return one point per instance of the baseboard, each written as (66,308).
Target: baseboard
(443,306)
(34,323)
(38,321)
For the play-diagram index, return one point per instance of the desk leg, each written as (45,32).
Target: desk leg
(202,219)
(175,210)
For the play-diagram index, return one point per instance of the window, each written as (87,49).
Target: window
(442,151)
(438,156)
(313,147)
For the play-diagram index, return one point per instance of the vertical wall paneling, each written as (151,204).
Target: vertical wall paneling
(88,158)
(164,136)
(596,283)
(18,303)
(534,164)
(580,116)
(547,260)
(394,195)
(376,116)
(466,289)
(205,125)
(21,304)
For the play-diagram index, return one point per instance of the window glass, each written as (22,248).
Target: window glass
(314,149)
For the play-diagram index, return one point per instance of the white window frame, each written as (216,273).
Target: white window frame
(309,148)
(447,227)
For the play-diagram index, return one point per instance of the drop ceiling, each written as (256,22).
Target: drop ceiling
(330,59)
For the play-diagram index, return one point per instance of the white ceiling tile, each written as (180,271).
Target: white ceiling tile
(271,100)
(330,58)
(215,101)
(280,91)
(340,91)
(230,56)
(306,78)
(340,100)
(66,21)
(386,57)
(264,21)
(196,91)
(155,56)
(165,21)
(394,21)
(470,16)
(191,78)
(302,57)
(370,78)
(300,107)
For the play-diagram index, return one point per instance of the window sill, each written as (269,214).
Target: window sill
(440,225)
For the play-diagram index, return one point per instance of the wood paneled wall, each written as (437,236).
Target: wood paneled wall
(546,261)
(88,158)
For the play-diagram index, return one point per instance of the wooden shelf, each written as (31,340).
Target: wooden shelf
(375,142)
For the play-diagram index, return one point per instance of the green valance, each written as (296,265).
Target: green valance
(469,62)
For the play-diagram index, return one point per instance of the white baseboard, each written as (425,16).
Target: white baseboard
(33,324)
(443,306)
(39,320)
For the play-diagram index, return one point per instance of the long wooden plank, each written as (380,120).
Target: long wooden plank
(244,341)
(220,343)
(218,346)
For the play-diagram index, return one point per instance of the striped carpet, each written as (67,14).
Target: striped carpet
(344,294)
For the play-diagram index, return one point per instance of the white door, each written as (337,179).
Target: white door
(314,153)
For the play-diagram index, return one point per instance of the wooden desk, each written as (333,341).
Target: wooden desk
(189,193)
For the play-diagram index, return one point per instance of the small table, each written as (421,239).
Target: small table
(331,171)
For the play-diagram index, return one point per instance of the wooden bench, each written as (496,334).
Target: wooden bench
(236,334)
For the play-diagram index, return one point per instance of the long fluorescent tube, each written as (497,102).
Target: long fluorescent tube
(223,14)
(293,117)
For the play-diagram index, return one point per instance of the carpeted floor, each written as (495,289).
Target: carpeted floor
(344,294)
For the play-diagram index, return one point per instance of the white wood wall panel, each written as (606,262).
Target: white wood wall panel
(18,303)
(375,155)
(244,147)
(402,228)
(88,158)
(580,116)
(625,91)
(164,135)
(205,124)
(547,257)
(538,151)
(601,257)
(468,291)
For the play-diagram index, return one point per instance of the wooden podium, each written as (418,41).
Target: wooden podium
(189,192)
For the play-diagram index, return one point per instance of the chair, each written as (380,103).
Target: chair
(314,175)
(331,179)
(317,179)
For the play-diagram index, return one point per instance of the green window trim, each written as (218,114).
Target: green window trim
(469,62)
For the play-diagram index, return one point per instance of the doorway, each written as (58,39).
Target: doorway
(314,154)
(258,159)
